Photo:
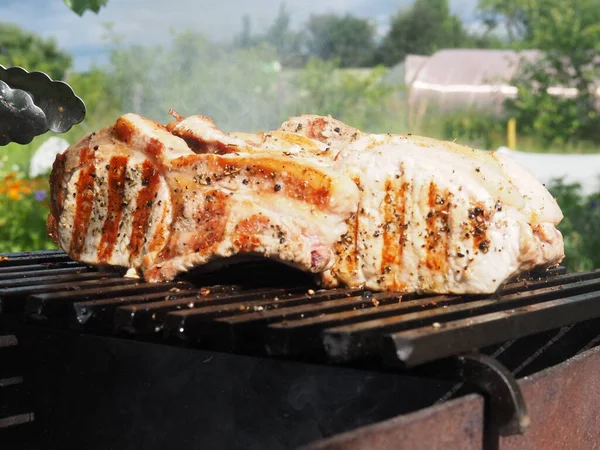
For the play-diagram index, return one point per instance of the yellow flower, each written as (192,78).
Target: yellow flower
(14,193)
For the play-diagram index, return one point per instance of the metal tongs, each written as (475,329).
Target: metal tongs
(31,103)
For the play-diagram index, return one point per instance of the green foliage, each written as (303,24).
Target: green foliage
(568,34)
(94,87)
(244,38)
(23,212)
(358,99)
(81,6)
(287,43)
(473,128)
(32,52)
(422,29)
(348,39)
(512,15)
(580,226)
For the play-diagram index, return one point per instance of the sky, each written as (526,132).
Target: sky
(150,22)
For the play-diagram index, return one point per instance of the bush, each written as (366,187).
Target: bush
(473,128)
(358,99)
(580,227)
(24,208)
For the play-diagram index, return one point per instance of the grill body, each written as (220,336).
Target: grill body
(257,357)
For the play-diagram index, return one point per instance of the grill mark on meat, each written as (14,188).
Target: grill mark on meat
(141,215)
(316,128)
(116,198)
(154,149)
(123,130)
(437,229)
(394,231)
(247,231)
(390,248)
(85,202)
(211,220)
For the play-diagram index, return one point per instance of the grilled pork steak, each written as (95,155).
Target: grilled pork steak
(386,212)
(135,195)
(435,216)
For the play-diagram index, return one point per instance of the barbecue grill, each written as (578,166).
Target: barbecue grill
(254,356)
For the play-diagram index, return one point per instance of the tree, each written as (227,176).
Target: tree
(568,34)
(244,39)
(30,51)
(358,100)
(422,29)
(81,6)
(511,15)
(286,42)
(348,39)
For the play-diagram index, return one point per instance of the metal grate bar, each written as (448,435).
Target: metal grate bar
(56,305)
(414,347)
(231,332)
(13,299)
(51,280)
(293,336)
(99,314)
(147,318)
(261,314)
(355,340)
(9,277)
(19,259)
(19,419)
(38,267)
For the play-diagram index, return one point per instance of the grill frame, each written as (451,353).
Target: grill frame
(332,326)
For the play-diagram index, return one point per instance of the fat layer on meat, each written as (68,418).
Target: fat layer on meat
(383,212)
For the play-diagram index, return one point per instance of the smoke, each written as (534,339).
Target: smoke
(240,89)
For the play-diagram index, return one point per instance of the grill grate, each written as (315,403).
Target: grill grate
(254,316)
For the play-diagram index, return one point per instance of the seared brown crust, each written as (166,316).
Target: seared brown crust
(394,229)
(116,200)
(437,229)
(144,202)
(85,201)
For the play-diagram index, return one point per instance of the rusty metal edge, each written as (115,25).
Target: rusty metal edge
(457,423)
(563,402)
(564,406)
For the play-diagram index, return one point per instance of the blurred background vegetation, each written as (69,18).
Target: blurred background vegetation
(332,65)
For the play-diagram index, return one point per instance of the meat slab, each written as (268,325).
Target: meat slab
(383,212)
